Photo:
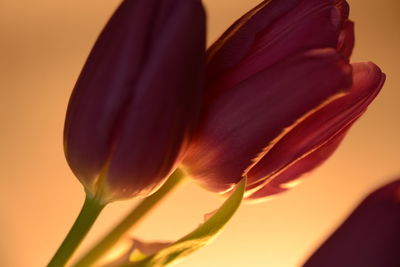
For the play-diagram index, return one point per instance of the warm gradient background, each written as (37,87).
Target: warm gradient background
(43,44)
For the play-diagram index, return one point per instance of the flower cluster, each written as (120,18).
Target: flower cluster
(271,99)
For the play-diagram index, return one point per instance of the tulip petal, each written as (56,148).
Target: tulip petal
(235,43)
(105,85)
(276,31)
(369,237)
(139,97)
(346,39)
(243,120)
(166,107)
(320,127)
(289,177)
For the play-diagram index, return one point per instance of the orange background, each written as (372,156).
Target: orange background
(43,44)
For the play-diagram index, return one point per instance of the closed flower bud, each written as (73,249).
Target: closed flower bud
(137,101)
(281,94)
(369,237)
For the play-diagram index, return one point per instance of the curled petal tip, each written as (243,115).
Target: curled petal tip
(299,150)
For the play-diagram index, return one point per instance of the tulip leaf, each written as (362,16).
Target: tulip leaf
(200,237)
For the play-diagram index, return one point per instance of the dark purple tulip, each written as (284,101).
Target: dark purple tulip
(369,237)
(137,101)
(281,95)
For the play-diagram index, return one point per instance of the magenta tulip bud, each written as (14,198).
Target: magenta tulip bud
(137,101)
(281,95)
(369,237)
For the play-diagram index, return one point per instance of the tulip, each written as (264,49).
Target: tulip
(137,101)
(281,94)
(369,237)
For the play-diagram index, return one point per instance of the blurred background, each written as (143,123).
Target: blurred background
(43,45)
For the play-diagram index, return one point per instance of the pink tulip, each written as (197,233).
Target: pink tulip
(281,95)
(137,101)
(369,237)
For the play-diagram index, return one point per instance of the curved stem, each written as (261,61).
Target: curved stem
(133,217)
(88,215)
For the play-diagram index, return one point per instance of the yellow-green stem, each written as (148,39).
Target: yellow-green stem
(133,217)
(88,215)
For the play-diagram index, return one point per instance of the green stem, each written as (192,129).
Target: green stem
(88,215)
(133,217)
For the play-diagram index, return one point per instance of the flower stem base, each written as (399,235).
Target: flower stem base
(88,215)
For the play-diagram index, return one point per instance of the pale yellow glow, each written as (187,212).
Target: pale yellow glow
(118,251)
(291,184)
